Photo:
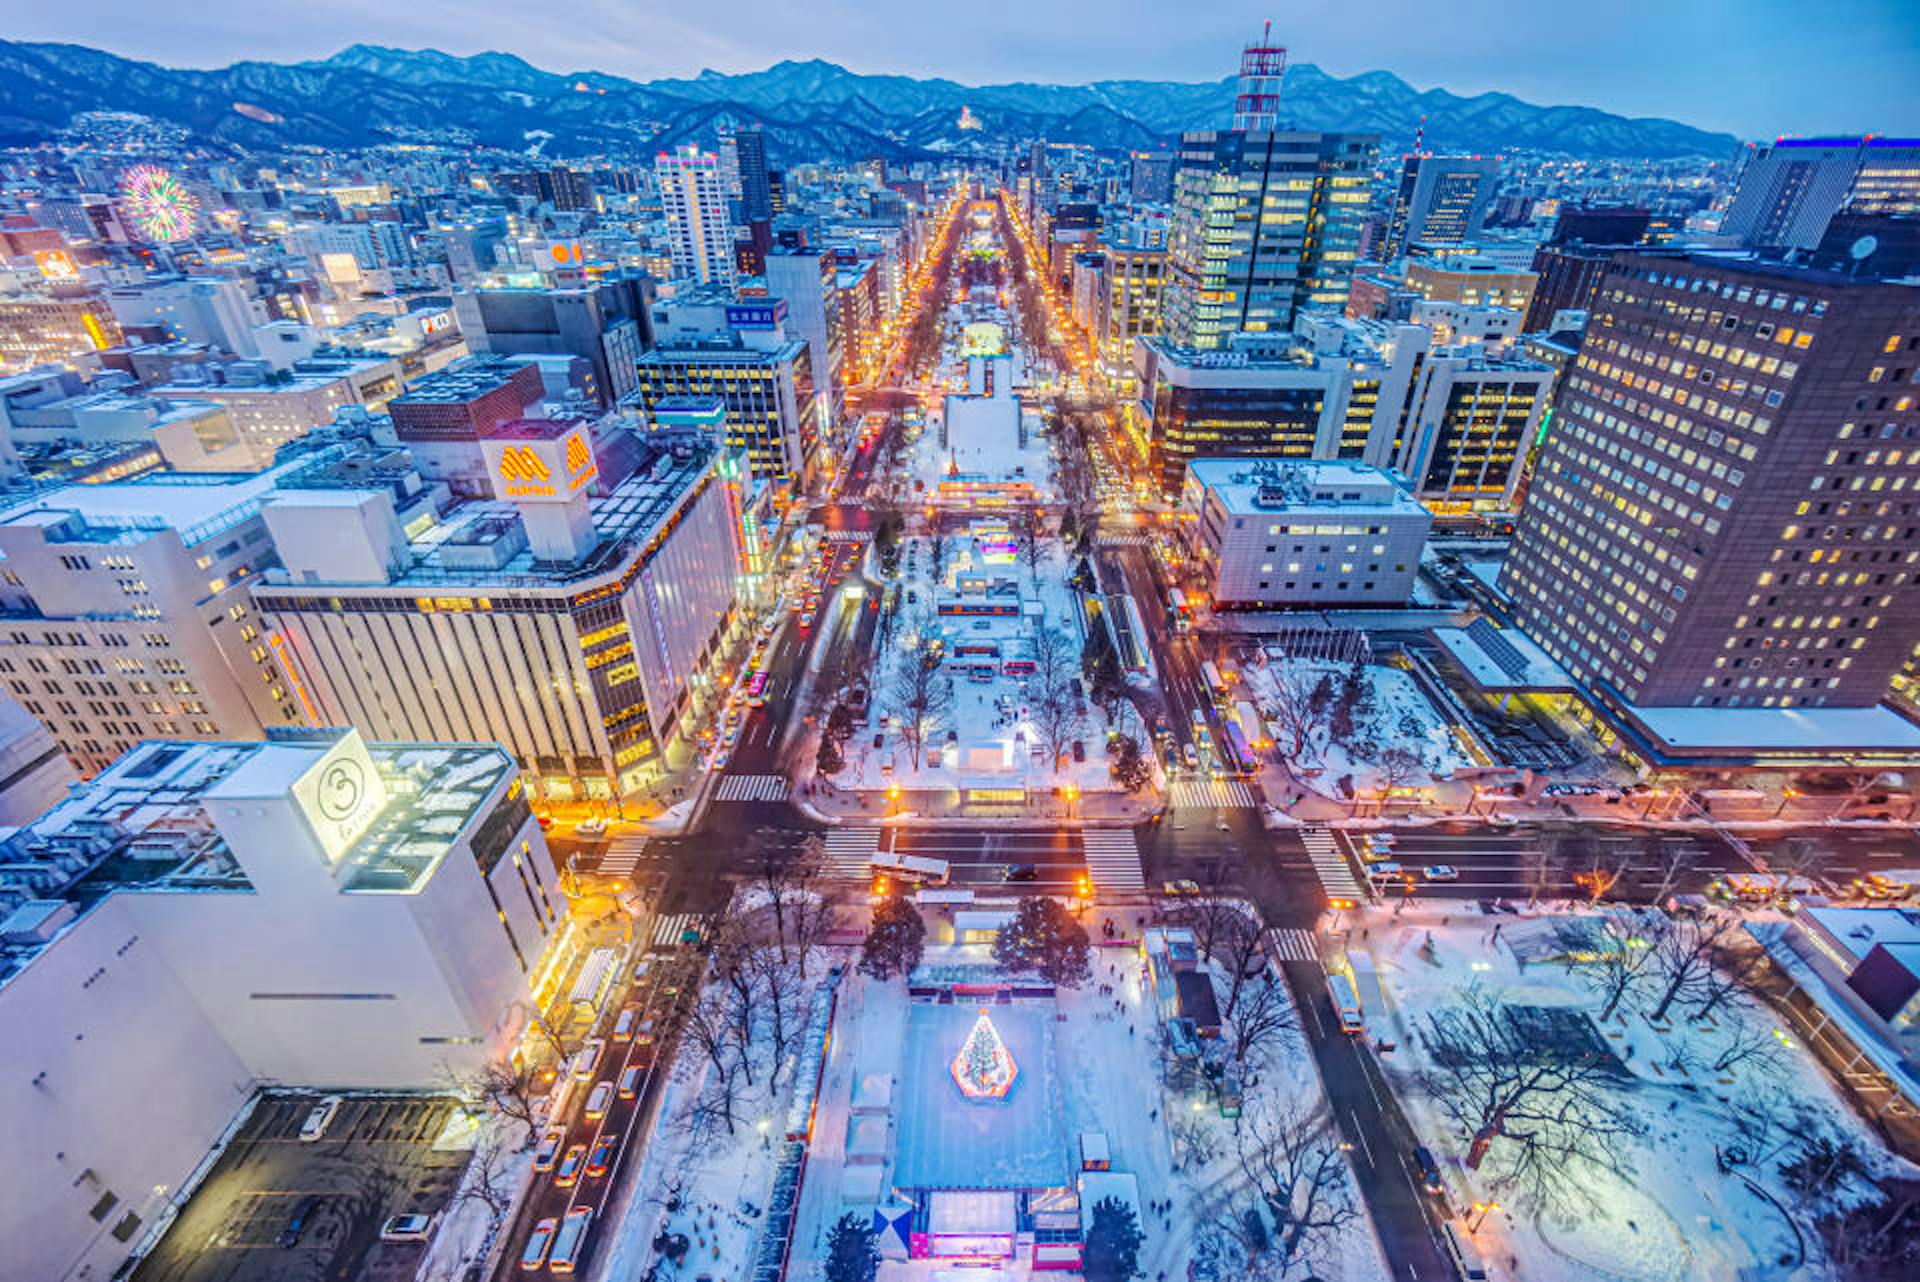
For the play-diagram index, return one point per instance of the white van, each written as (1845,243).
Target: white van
(1459,1247)
(319,1119)
(597,1102)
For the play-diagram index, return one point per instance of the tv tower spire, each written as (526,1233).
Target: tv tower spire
(1257,108)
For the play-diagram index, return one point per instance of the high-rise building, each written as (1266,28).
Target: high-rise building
(769,393)
(61,326)
(311,911)
(1790,191)
(1440,200)
(1150,179)
(756,196)
(1724,512)
(443,417)
(693,192)
(808,282)
(605,324)
(1470,280)
(1265,225)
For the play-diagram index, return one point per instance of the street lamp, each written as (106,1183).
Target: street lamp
(1786,795)
(1480,1210)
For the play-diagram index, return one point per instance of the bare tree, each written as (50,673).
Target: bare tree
(490,1181)
(1265,1014)
(1291,1155)
(1031,531)
(1397,765)
(1057,721)
(1237,951)
(1055,659)
(712,1030)
(508,1091)
(922,699)
(1750,1044)
(1302,706)
(1544,1111)
(1628,952)
(1209,917)
(1685,960)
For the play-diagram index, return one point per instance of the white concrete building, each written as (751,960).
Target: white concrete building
(34,773)
(127,613)
(206,919)
(1274,535)
(693,192)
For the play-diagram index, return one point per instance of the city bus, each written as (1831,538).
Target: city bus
(1346,1003)
(1236,757)
(595,981)
(1179,610)
(919,870)
(1210,677)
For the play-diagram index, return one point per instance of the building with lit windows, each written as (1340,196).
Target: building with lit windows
(126,613)
(1454,418)
(1791,190)
(1272,535)
(203,920)
(1265,225)
(1726,514)
(1440,200)
(575,630)
(604,324)
(693,192)
(1470,280)
(442,418)
(60,327)
(267,412)
(807,281)
(769,392)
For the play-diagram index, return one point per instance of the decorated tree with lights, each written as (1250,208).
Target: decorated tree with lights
(984,1068)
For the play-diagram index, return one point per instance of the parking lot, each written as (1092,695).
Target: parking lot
(376,1159)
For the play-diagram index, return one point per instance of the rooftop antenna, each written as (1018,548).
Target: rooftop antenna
(1419,135)
(1257,108)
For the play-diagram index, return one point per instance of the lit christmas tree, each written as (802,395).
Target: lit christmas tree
(984,1068)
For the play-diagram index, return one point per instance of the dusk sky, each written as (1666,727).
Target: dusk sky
(1752,67)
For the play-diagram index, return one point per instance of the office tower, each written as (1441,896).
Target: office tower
(700,232)
(1724,512)
(131,615)
(204,920)
(1591,225)
(560,187)
(1133,281)
(1439,200)
(1265,225)
(808,282)
(575,630)
(605,324)
(756,196)
(767,386)
(1789,191)
(1455,418)
(1150,181)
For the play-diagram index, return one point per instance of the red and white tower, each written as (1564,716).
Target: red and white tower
(1261,65)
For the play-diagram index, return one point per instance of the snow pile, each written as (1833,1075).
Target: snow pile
(1301,701)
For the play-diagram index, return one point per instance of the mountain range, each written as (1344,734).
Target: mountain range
(367,95)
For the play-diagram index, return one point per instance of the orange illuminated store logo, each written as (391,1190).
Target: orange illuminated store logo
(518,463)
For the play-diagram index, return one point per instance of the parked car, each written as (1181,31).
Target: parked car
(1440,872)
(1384,871)
(297,1222)
(319,1118)
(407,1228)
(597,1101)
(1020,872)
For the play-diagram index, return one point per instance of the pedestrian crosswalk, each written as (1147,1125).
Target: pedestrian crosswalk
(1125,540)
(1210,794)
(752,788)
(622,856)
(1330,862)
(1292,945)
(847,536)
(1113,859)
(673,928)
(850,853)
